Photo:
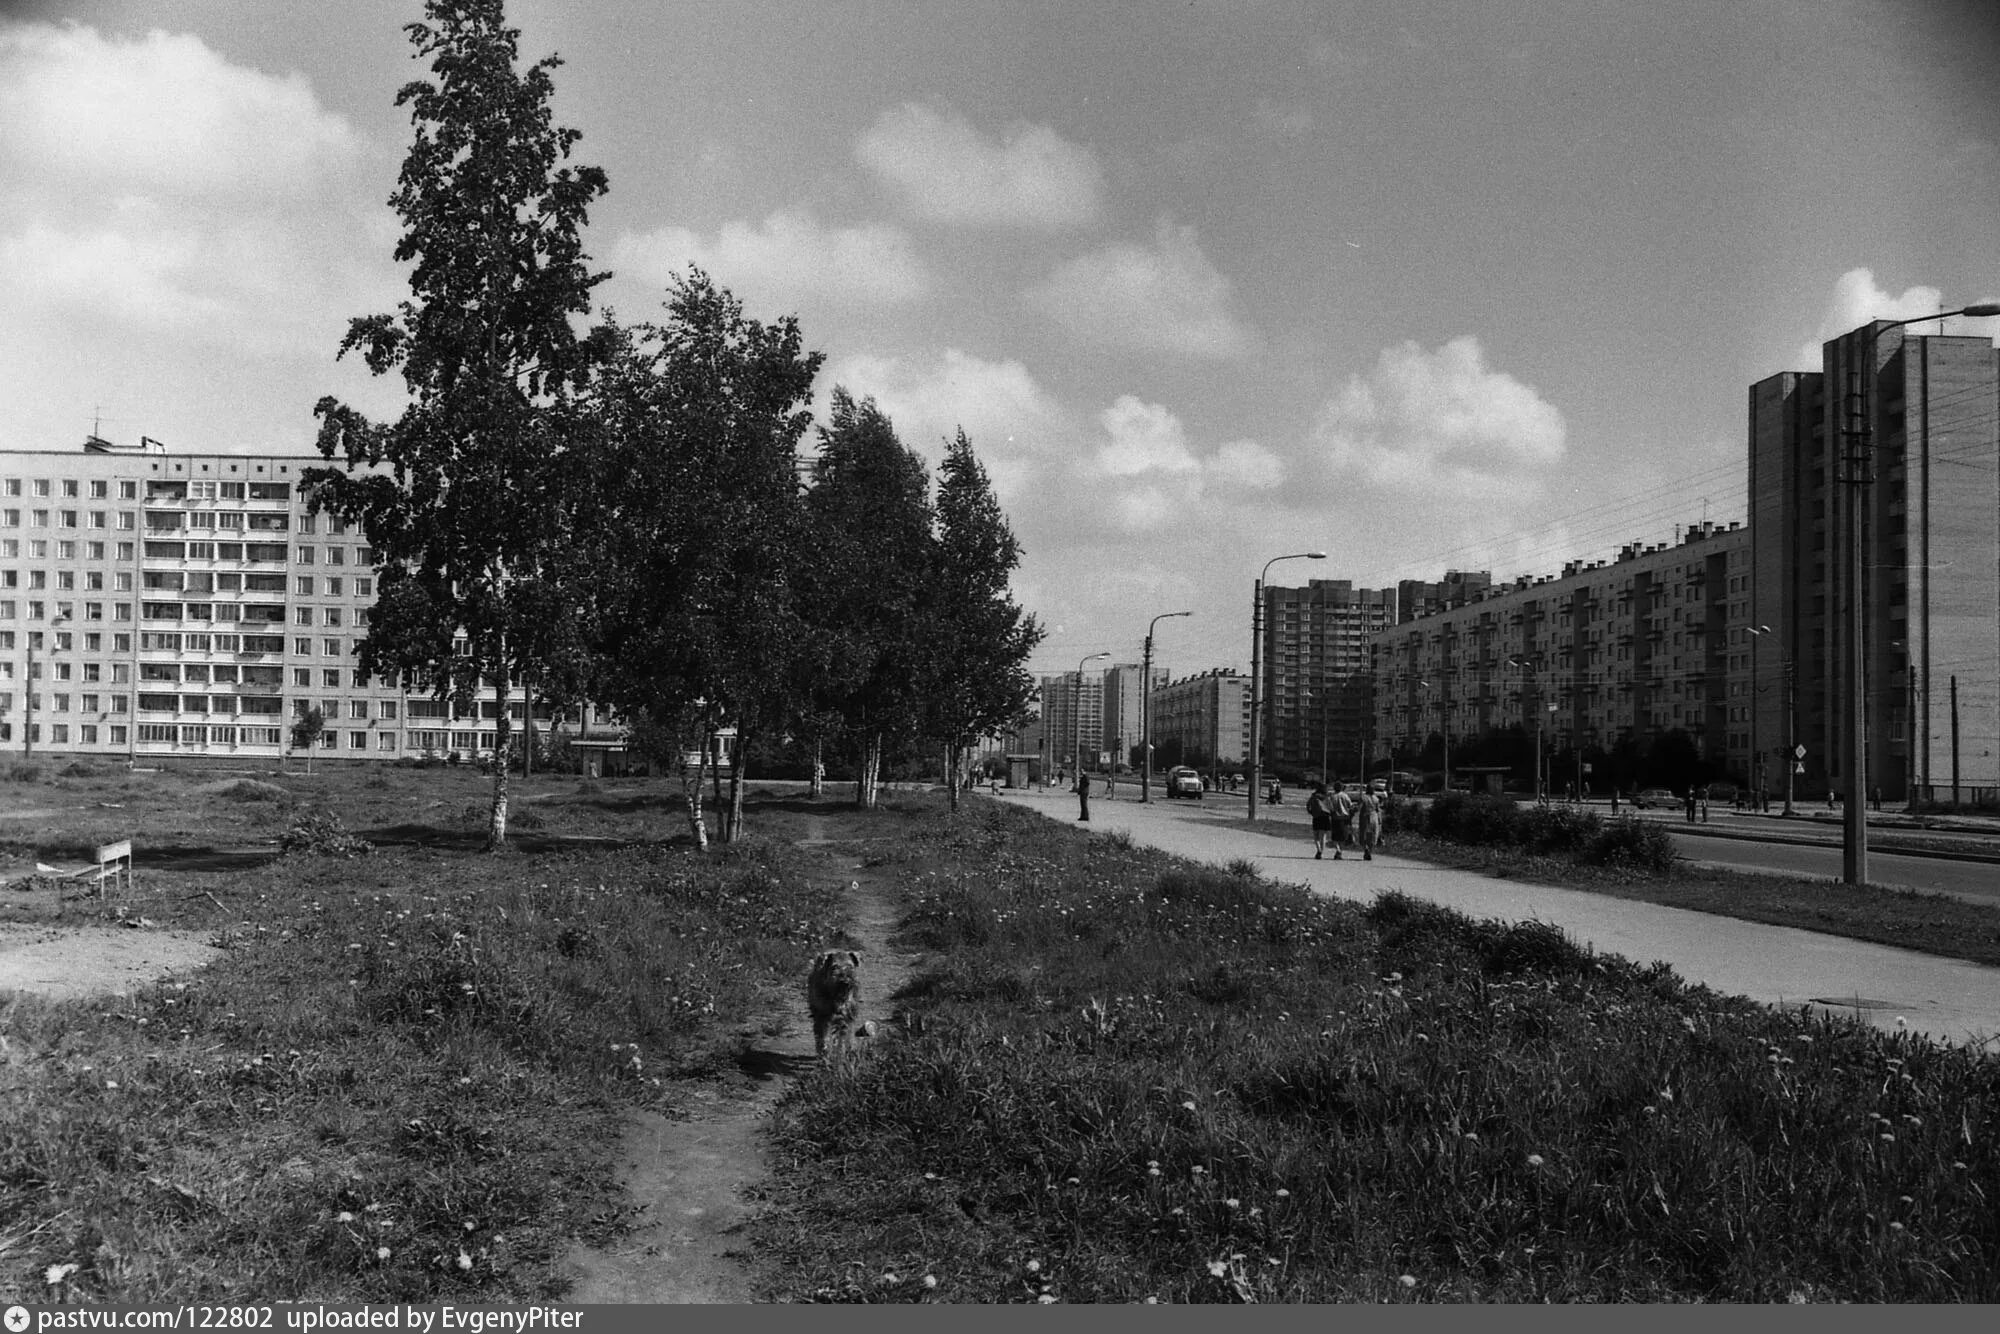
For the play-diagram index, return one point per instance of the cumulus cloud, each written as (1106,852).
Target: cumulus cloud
(1151,475)
(1166,297)
(787,257)
(1857,299)
(1439,423)
(941,167)
(154,187)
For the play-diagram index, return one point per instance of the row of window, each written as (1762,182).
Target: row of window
(266,552)
(39,518)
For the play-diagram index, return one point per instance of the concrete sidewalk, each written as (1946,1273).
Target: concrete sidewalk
(1945,998)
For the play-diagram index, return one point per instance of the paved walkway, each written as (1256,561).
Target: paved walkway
(1946,998)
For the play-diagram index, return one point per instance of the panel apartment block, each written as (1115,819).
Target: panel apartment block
(1206,716)
(1317,687)
(1915,415)
(1631,648)
(190,605)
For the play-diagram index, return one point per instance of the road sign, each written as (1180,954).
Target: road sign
(1798,768)
(1799,752)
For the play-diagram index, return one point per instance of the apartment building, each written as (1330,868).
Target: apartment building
(1124,707)
(1918,417)
(1203,719)
(1072,720)
(156,604)
(1635,647)
(1317,687)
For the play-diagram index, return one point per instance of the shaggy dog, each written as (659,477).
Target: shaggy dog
(833,994)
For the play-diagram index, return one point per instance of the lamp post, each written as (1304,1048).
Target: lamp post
(1256,658)
(1076,709)
(1146,706)
(1532,662)
(28,725)
(1854,758)
(1791,712)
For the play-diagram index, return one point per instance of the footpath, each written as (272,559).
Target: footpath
(1948,999)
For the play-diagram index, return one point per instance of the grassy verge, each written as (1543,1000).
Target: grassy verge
(1939,924)
(1125,1078)
(404,1079)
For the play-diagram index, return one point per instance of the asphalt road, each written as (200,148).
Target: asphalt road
(1978,881)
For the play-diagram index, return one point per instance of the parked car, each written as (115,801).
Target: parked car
(1184,782)
(1646,798)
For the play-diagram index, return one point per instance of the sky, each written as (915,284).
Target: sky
(1423,286)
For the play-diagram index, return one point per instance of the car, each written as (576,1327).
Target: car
(1648,797)
(1184,782)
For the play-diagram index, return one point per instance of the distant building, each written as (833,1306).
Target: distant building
(1205,719)
(1124,699)
(1072,719)
(1415,597)
(1631,648)
(1317,687)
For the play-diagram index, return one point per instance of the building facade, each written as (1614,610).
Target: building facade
(1318,687)
(1910,425)
(1124,707)
(189,605)
(1203,720)
(1623,651)
(1072,720)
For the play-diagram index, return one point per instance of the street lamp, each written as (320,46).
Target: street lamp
(1854,758)
(1532,662)
(28,725)
(1146,706)
(1076,709)
(1256,656)
(1791,711)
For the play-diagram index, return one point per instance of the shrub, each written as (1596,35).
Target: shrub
(1632,843)
(320,834)
(1473,818)
(1560,829)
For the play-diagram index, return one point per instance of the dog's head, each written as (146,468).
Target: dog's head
(838,964)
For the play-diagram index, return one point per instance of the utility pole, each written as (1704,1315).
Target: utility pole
(1954,743)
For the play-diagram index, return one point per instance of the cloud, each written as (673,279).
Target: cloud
(1151,476)
(1439,423)
(941,167)
(1856,299)
(1282,120)
(162,115)
(156,188)
(785,258)
(1162,298)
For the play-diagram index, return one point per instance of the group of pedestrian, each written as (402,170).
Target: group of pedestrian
(1345,819)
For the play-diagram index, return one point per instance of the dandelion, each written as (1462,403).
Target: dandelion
(1218,1267)
(1034,1266)
(1284,1194)
(930,1280)
(1652,1110)
(1408,1280)
(1232,1202)
(381,1252)
(1153,1171)
(1895,1227)
(1889,1137)
(55,1274)
(1045,1300)
(343,1217)
(1957,1164)
(1534,1160)
(464,1260)
(1189,1104)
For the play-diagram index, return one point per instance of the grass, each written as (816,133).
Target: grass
(405,1078)
(1123,1078)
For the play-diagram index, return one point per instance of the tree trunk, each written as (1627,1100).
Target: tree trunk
(691,795)
(871,772)
(527,731)
(732,824)
(818,788)
(951,776)
(503,735)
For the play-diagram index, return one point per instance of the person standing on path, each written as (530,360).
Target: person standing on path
(1321,811)
(1083,796)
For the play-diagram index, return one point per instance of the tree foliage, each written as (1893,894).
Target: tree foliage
(862,586)
(698,522)
(468,497)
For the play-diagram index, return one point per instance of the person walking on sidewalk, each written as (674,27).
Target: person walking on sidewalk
(1321,811)
(1368,816)
(1343,817)
(1083,796)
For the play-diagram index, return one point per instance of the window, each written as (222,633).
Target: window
(201,490)
(331,647)
(305,555)
(99,519)
(333,586)
(89,703)
(357,741)
(389,709)
(302,647)
(302,676)
(201,551)
(357,708)
(232,490)
(336,555)
(303,615)
(303,586)
(385,741)
(231,521)
(100,489)
(364,588)
(332,617)
(329,677)
(308,523)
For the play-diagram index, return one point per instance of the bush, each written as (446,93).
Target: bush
(1473,818)
(1556,829)
(321,834)
(1632,843)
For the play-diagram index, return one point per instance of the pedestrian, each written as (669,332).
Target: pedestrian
(1110,784)
(1083,796)
(1704,805)
(1875,797)
(1343,817)
(1690,804)
(1368,816)
(1614,798)
(1321,810)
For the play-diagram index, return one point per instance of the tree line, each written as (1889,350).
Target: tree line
(572,508)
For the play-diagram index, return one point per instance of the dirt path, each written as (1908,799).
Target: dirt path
(693,1178)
